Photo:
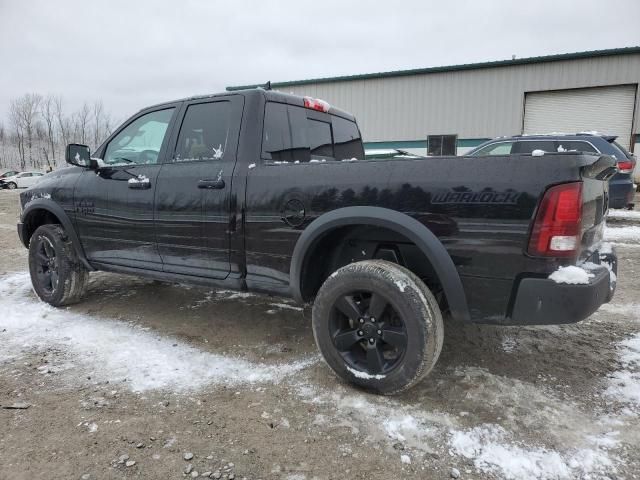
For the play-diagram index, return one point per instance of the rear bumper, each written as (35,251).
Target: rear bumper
(541,301)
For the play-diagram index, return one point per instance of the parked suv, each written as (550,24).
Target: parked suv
(621,187)
(258,190)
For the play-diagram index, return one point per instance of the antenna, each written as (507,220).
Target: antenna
(266,86)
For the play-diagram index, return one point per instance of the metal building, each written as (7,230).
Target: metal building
(448,110)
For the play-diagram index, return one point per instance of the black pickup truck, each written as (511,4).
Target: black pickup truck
(261,191)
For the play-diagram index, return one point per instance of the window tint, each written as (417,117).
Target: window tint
(291,135)
(319,137)
(528,146)
(502,148)
(578,146)
(204,132)
(25,175)
(441,144)
(346,138)
(140,141)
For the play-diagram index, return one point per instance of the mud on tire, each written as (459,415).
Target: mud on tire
(57,275)
(378,326)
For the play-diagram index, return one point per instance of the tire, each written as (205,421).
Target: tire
(57,275)
(407,334)
(12,185)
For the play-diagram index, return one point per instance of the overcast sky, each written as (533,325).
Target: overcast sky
(134,53)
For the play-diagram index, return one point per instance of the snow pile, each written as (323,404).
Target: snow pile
(107,349)
(624,214)
(493,451)
(572,275)
(622,234)
(364,375)
(537,153)
(625,384)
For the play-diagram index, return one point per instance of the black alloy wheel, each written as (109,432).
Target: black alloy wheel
(368,332)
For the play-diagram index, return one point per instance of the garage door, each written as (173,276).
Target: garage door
(604,109)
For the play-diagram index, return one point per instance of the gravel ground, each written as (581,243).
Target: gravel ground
(151,380)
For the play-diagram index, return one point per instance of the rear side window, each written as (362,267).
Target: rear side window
(347,142)
(573,145)
(528,146)
(502,148)
(292,135)
(204,132)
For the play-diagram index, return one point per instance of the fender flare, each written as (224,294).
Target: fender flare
(401,223)
(58,211)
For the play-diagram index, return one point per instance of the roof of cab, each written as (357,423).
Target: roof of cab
(270,95)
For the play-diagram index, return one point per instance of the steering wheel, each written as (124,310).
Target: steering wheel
(148,156)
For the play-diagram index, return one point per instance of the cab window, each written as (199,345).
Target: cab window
(140,141)
(295,134)
(204,132)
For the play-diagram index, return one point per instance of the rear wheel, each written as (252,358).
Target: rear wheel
(57,276)
(378,326)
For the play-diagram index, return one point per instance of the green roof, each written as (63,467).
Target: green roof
(453,68)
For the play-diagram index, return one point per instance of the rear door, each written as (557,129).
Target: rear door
(193,199)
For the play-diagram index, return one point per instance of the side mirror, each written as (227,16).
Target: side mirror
(78,155)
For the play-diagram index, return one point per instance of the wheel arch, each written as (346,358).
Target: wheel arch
(414,231)
(43,211)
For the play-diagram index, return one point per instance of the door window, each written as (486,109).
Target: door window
(204,132)
(140,141)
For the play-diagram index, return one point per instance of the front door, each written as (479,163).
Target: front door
(194,192)
(114,205)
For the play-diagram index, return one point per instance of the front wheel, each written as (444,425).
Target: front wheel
(12,185)
(378,326)
(57,276)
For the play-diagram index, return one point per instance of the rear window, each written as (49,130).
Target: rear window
(296,134)
(575,145)
(623,150)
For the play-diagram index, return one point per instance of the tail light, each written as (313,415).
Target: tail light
(558,223)
(316,104)
(626,166)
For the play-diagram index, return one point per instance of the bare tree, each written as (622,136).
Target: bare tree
(48,113)
(26,109)
(64,124)
(17,125)
(81,122)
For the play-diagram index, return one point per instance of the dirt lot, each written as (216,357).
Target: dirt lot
(140,374)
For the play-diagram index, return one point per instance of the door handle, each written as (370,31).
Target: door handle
(138,184)
(217,184)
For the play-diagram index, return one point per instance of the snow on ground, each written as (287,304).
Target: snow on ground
(578,445)
(630,234)
(493,450)
(625,383)
(624,214)
(107,349)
